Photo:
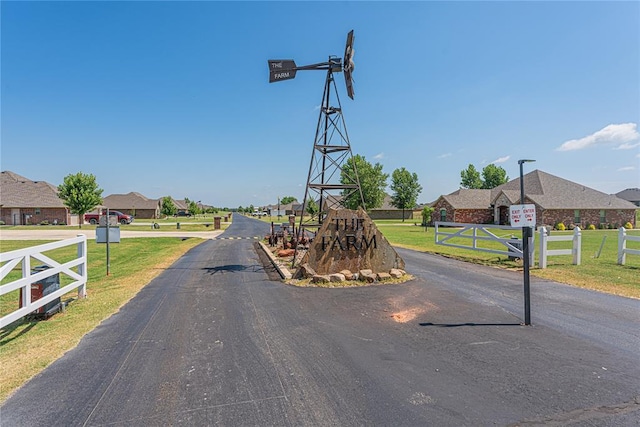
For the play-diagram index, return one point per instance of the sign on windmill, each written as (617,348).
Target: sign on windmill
(281,69)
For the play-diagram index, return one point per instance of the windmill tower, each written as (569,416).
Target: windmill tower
(330,181)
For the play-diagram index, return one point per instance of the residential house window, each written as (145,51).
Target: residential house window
(603,216)
(443,215)
(37,211)
(576,216)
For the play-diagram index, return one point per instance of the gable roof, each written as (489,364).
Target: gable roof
(130,201)
(630,194)
(552,192)
(466,198)
(19,192)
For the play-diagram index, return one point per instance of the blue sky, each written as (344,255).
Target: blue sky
(172,98)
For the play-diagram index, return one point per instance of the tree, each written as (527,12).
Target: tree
(372,183)
(406,189)
(80,193)
(287,199)
(312,207)
(470,178)
(168,207)
(426,215)
(494,176)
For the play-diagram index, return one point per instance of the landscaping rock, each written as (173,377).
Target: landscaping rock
(320,278)
(396,273)
(286,252)
(336,277)
(383,276)
(365,272)
(369,278)
(305,271)
(347,275)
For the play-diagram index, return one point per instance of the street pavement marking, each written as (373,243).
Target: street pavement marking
(238,238)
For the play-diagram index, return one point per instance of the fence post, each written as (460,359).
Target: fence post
(82,267)
(577,245)
(622,245)
(542,258)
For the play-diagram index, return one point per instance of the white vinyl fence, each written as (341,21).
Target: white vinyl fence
(622,245)
(576,246)
(10,260)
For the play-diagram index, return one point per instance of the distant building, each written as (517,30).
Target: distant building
(630,194)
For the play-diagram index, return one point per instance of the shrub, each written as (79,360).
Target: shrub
(628,226)
(560,226)
(45,222)
(2,223)
(572,226)
(591,227)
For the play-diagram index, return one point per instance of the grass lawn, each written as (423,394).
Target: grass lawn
(599,273)
(27,347)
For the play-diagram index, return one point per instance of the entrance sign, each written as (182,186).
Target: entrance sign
(522,215)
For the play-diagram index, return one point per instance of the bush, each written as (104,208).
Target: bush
(628,226)
(2,223)
(572,226)
(560,226)
(591,227)
(45,222)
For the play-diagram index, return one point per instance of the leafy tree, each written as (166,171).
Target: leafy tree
(406,189)
(168,207)
(287,199)
(192,207)
(372,183)
(80,193)
(312,207)
(493,176)
(470,178)
(426,215)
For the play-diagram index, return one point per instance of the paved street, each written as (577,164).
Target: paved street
(218,340)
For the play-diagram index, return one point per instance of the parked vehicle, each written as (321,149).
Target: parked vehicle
(93,218)
(258,213)
(182,213)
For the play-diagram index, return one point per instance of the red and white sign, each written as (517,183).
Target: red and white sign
(522,215)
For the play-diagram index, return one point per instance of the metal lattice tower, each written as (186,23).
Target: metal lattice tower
(328,182)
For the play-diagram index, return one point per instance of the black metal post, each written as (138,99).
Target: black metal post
(526,234)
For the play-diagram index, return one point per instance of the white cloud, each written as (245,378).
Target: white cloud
(501,159)
(628,145)
(442,156)
(626,168)
(612,134)
(378,156)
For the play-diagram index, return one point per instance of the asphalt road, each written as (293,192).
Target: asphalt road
(216,340)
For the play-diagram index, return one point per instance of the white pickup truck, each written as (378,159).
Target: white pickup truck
(258,213)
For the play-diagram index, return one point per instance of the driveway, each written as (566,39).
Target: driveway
(216,340)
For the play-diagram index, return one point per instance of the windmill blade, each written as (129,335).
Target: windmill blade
(281,69)
(348,65)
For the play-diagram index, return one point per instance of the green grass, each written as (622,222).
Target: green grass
(27,347)
(601,273)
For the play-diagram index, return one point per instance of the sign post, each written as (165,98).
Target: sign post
(525,216)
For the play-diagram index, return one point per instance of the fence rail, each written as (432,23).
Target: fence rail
(480,233)
(12,259)
(576,247)
(623,238)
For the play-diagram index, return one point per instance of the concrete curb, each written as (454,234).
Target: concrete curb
(284,272)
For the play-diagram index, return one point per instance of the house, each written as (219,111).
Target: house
(23,201)
(630,194)
(388,211)
(134,204)
(556,200)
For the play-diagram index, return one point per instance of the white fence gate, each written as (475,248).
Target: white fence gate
(10,260)
(622,245)
(479,234)
(575,249)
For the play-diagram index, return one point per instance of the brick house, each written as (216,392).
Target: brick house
(134,204)
(23,201)
(556,200)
